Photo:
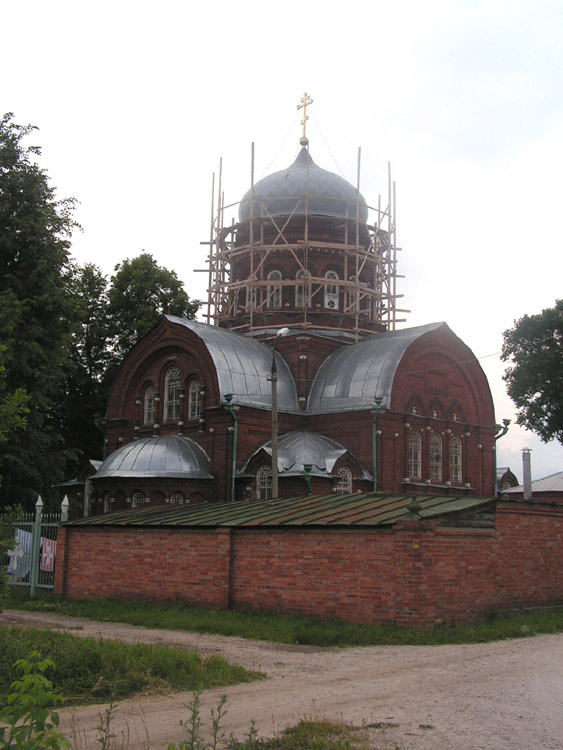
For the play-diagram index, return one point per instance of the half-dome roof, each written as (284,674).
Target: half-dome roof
(170,456)
(304,189)
(242,365)
(353,375)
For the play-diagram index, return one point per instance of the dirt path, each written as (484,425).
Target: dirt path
(498,696)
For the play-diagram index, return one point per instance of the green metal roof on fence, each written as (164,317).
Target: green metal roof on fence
(370,509)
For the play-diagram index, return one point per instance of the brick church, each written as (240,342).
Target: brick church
(301,382)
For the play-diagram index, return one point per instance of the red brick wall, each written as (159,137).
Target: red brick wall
(412,574)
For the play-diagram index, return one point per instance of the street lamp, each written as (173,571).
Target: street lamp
(273,378)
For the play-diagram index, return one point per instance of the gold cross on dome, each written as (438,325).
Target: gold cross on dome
(305,102)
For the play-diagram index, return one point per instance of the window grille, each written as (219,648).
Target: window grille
(264,483)
(414,454)
(149,413)
(172,395)
(194,399)
(455,459)
(436,457)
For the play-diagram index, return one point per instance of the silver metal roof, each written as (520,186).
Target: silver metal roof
(171,456)
(295,449)
(304,188)
(243,365)
(551,483)
(353,375)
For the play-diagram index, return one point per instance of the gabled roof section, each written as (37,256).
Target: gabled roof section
(551,483)
(242,365)
(352,376)
(371,509)
(295,449)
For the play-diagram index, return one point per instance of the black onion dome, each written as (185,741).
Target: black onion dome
(303,189)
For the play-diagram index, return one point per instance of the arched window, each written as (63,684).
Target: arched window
(172,395)
(138,500)
(107,502)
(251,297)
(177,498)
(302,289)
(194,399)
(435,457)
(264,483)
(149,412)
(344,483)
(274,291)
(331,290)
(414,454)
(455,459)
(352,297)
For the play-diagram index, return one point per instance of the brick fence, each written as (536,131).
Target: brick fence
(411,574)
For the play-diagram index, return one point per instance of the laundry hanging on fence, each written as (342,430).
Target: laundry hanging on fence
(20,557)
(48,552)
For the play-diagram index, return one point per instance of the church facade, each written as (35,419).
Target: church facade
(301,359)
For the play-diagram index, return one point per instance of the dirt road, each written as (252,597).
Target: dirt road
(498,696)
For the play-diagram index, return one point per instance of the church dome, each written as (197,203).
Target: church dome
(304,189)
(171,456)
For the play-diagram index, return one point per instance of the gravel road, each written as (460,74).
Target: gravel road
(498,696)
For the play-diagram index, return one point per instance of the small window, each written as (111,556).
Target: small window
(455,459)
(172,395)
(264,483)
(435,458)
(331,290)
(274,298)
(177,498)
(302,289)
(194,399)
(107,502)
(344,483)
(149,413)
(414,454)
(138,500)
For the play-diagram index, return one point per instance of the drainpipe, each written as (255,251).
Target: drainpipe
(527,471)
(377,402)
(230,408)
(501,431)
(308,468)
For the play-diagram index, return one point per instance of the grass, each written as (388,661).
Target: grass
(313,631)
(91,670)
(312,735)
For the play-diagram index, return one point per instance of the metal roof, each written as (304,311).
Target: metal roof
(295,449)
(551,483)
(304,188)
(353,375)
(243,365)
(370,509)
(170,456)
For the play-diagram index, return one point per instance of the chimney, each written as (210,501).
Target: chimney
(527,470)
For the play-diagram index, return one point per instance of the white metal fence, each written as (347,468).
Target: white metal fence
(30,563)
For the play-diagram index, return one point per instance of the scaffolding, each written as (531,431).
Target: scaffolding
(242,297)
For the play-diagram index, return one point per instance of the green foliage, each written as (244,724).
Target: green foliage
(13,407)
(141,292)
(534,348)
(35,230)
(27,715)
(314,631)
(95,670)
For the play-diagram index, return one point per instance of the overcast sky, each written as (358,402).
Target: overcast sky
(136,102)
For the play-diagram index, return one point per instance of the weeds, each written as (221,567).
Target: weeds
(90,670)
(315,631)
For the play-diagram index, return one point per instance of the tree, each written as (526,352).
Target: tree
(534,347)
(92,358)
(140,292)
(35,230)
